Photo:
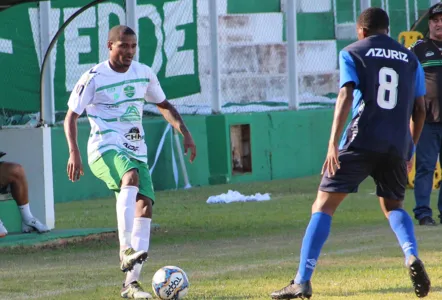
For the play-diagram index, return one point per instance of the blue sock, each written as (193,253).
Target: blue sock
(402,225)
(315,236)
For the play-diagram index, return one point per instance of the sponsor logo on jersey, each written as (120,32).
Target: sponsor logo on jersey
(429,53)
(133,135)
(387,53)
(132,114)
(129,91)
(131,147)
(112,106)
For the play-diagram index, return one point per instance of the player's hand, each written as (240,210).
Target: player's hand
(75,167)
(331,163)
(409,165)
(188,143)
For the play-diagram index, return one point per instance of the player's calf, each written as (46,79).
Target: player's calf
(293,291)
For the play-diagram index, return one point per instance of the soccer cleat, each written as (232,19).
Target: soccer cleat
(3,231)
(419,277)
(427,221)
(134,291)
(33,225)
(130,258)
(293,291)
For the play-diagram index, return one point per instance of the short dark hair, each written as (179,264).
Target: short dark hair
(374,19)
(117,31)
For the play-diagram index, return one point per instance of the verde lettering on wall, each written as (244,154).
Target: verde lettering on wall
(167,37)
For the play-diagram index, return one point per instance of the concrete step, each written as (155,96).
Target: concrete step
(271,59)
(345,31)
(243,29)
(248,88)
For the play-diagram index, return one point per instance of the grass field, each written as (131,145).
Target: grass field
(230,251)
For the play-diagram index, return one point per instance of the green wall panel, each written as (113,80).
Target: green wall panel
(299,142)
(398,18)
(315,26)
(10,216)
(253,6)
(284,144)
(217,139)
(345,11)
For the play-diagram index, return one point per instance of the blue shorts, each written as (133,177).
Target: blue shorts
(389,173)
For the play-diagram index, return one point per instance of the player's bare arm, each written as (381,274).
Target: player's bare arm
(172,116)
(75,166)
(417,119)
(342,109)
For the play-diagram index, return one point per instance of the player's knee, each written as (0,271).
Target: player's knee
(131,178)
(327,202)
(16,173)
(394,205)
(322,206)
(389,205)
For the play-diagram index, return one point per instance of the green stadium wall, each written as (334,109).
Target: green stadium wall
(284,144)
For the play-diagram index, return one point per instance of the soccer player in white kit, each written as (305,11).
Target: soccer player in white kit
(113,94)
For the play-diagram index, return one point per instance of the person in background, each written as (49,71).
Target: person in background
(13,180)
(429,53)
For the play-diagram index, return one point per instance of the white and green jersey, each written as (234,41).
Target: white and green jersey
(114,105)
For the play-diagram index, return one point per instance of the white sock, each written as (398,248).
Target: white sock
(140,241)
(25,212)
(125,215)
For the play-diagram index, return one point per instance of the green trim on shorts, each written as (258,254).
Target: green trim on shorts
(111,167)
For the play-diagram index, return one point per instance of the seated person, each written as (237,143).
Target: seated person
(13,180)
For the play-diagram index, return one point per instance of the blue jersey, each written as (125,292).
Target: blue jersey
(388,78)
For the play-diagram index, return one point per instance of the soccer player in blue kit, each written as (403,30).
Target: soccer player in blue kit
(383,83)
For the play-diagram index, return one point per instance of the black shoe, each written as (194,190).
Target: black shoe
(294,290)
(428,221)
(419,277)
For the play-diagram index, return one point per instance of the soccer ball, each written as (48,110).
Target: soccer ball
(170,282)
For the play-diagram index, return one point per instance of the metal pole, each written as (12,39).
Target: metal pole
(181,158)
(131,19)
(48,83)
(43,117)
(355,13)
(214,72)
(407,13)
(416,12)
(365,4)
(292,49)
